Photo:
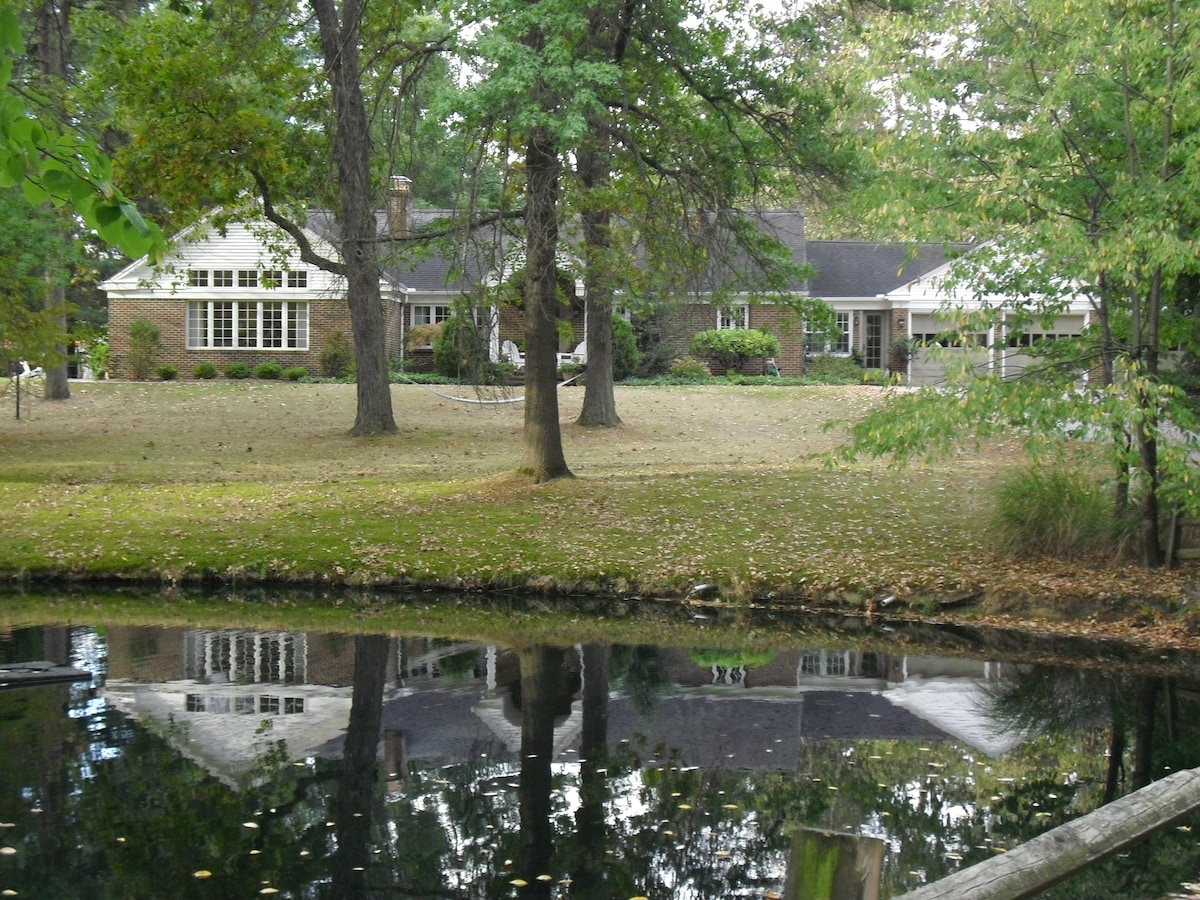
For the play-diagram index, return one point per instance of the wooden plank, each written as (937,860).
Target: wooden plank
(1063,851)
(827,865)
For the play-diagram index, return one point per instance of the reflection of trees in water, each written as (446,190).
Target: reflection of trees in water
(642,675)
(1053,700)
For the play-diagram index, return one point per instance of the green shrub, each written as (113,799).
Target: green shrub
(689,367)
(834,369)
(294,373)
(268,370)
(167,372)
(144,347)
(205,370)
(237,370)
(730,347)
(624,349)
(336,359)
(1050,511)
(97,357)
(459,352)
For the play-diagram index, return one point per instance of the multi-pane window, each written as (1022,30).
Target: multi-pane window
(733,316)
(837,341)
(248,278)
(429,314)
(268,704)
(841,344)
(247,316)
(257,324)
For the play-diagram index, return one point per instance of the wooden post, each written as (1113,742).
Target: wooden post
(828,866)
(1063,851)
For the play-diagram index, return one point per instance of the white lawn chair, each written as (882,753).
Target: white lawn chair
(512,354)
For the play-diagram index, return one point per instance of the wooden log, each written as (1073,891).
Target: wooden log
(826,865)
(1063,851)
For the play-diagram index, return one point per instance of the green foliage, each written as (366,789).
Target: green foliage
(144,347)
(1066,143)
(36,258)
(55,164)
(459,352)
(237,370)
(829,369)
(294,373)
(1059,512)
(336,359)
(268,370)
(166,372)
(204,371)
(624,349)
(730,347)
(97,356)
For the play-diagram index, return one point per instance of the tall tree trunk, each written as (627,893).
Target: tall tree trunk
(543,451)
(52,42)
(599,402)
(359,231)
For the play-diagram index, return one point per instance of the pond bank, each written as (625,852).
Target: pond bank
(256,484)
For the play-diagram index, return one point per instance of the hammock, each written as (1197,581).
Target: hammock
(479,400)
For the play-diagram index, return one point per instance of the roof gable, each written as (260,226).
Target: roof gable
(866,269)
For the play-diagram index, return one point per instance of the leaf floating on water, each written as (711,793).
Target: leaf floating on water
(7,851)
(545,878)
(685,806)
(954,856)
(202,873)
(8,892)
(518,882)
(729,806)
(722,854)
(269,890)
(249,824)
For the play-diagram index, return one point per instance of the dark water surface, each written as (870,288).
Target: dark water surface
(222,763)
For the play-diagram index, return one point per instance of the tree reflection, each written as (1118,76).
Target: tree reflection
(355,807)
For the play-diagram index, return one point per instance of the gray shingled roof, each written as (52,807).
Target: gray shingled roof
(866,269)
(844,268)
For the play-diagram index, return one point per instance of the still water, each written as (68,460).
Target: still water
(222,762)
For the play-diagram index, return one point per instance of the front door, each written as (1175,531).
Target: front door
(873,346)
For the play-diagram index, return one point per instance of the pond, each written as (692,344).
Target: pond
(211,759)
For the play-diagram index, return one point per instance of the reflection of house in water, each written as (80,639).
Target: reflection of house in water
(236,692)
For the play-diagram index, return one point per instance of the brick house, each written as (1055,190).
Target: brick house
(242,294)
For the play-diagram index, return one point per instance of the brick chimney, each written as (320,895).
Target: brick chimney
(399,206)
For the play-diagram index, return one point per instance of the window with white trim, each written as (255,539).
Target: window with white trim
(830,342)
(247,278)
(297,279)
(733,316)
(272,278)
(430,313)
(222,277)
(197,277)
(260,324)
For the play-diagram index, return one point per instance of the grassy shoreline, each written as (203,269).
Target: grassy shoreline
(257,483)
